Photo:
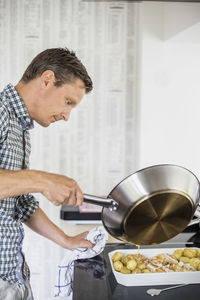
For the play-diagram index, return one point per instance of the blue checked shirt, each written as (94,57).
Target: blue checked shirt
(14,155)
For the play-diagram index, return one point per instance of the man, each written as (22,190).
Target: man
(52,85)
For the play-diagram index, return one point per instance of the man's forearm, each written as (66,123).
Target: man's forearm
(58,189)
(15,183)
(40,223)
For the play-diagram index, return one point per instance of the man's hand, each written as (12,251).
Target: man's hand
(77,241)
(61,189)
(58,189)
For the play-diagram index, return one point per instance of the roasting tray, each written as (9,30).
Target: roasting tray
(144,279)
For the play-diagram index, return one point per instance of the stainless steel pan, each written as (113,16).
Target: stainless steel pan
(151,205)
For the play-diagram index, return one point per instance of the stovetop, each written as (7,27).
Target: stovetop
(94,280)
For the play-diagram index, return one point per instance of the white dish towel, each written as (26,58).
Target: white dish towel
(65,271)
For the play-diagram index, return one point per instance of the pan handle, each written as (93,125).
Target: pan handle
(105,202)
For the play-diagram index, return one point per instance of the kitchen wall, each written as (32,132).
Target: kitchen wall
(169,85)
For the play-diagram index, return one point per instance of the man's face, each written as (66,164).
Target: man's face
(55,103)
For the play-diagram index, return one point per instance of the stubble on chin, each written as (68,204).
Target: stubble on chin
(44,123)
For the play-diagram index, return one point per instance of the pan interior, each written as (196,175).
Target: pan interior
(158,218)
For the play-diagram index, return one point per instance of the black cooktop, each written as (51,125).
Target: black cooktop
(94,280)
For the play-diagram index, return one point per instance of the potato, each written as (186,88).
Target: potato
(146,271)
(136,271)
(118,266)
(177,254)
(124,270)
(127,258)
(198,253)
(138,257)
(198,268)
(117,256)
(141,266)
(185,259)
(131,264)
(188,252)
(194,262)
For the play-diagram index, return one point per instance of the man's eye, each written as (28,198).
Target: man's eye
(68,102)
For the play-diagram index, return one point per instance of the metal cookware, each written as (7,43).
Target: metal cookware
(151,205)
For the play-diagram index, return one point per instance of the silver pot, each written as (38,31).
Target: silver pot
(151,205)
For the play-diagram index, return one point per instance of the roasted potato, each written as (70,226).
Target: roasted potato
(177,254)
(118,265)
(198,253)
(194,262)
(188,252)
(185,259)
(136,271)
(146,271)
(131,264)
(127,258)
(124,270)
(117,256)
(141,266)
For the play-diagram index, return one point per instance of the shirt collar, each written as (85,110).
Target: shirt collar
(18,106)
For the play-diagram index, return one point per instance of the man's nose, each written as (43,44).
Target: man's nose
(66,115)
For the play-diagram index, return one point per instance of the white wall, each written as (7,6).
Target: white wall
(170,85)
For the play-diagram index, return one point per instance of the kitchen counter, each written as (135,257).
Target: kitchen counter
(94,280)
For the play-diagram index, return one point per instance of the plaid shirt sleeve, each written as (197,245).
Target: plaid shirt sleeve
(27,205)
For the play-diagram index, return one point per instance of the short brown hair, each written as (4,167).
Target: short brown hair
(63,62)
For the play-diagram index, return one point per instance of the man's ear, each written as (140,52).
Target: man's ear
(47,78)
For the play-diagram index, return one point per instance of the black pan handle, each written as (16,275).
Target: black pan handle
(105,202)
